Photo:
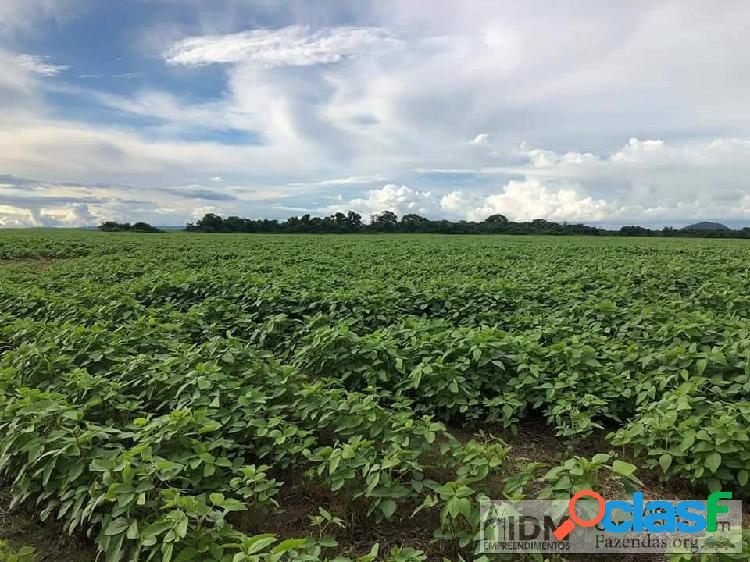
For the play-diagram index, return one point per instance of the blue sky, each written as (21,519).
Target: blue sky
(162,110)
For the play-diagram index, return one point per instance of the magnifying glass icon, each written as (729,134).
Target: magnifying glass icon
(569,524)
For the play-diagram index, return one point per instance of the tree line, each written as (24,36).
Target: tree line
(388,221)
(111,226)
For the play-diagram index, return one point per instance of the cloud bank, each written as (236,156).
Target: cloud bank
(647,181)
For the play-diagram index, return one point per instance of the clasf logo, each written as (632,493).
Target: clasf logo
(653,516)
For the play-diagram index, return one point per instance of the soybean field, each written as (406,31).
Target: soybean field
(185,397)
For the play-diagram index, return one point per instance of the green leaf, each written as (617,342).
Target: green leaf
(182,528)
(132,533)
(665,461)
(713,462)
(156,528)
(117,526)
(742,477)
(700,366)
(231,504)
(289,544)
(187,554)
(600,458)
(259,542)
(623,468)
(388,507)
(167,549)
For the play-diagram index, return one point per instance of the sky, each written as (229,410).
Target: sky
(598,112)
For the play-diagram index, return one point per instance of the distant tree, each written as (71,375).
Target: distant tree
(496,219)
(339,222)
(413,223)
(385,221)
(635,231)
(111,226)
(494,223)
(354,220)
(143,227)
(233,224)
(210,223)
(444,226)
(303,224)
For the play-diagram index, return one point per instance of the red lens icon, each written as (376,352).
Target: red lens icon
(569,524)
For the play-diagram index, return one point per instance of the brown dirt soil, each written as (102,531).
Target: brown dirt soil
(20,527)
(39,263)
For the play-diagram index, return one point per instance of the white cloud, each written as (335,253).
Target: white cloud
(399,199)
(545,158)
(71,216)
(482,139)
(459,203)
(28,202)
(519,200)
(76,215)
(644,182)
(289,46)
(528,199)
(635,150)
(40,65)
(718,159)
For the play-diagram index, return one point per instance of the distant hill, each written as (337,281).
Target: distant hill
(706,226)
